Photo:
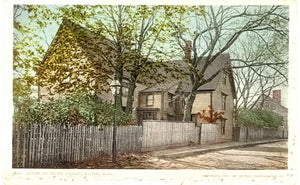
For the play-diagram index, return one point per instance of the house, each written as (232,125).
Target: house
(161,101)
(82,51)
(273,104)
(166,101)
(78,48)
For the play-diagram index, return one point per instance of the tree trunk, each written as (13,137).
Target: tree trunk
(130,96)
(189,100)
(178,107)
(118,101)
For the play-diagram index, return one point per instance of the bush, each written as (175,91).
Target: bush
(259,118)
(73,109)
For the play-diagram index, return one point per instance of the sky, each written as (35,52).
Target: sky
(51,30)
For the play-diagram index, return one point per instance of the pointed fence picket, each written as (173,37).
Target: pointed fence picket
(46,145)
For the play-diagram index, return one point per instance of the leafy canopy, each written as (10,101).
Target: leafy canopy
(259,118)
(29,45)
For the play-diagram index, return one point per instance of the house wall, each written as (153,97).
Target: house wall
(139,87)
(202,101)
(108,96)
(228,112)
(157,100)
(155,109)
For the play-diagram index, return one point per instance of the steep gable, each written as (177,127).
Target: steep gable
(222,63)
(75,53)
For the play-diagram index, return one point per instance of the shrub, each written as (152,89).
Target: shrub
(73,109)
(259,118)
(210,116)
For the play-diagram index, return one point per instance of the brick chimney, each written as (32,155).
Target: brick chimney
(277,96)
(188,49)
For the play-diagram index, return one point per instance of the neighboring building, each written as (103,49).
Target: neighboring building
(164,101)
(274,105)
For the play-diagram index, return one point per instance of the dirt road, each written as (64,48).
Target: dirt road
(265,156)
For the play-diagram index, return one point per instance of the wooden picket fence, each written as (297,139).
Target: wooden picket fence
(45,145)
(159,134)
(243,134)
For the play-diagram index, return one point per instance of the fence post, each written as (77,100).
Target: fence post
(200,133)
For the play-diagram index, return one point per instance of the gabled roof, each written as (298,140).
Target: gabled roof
(222,62)
(85,38)
(161,87)
(92,42)
(268,99)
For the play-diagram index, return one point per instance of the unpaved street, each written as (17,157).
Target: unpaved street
(265,156)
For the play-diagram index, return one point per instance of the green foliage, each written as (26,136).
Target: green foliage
(259,118)
(28,45)
(73,109)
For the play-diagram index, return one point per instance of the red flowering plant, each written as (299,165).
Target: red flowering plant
(210,115)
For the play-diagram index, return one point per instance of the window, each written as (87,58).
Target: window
(224,78)
(223,126)
(150,100)
(224,101)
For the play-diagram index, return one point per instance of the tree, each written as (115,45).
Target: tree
(129,36)
(28,47)
(259,118)
(261,65)
(135,33)
(256,71)
(72,63)
(150,32)
(216,32)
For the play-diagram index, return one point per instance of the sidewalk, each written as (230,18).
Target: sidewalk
(181,152)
